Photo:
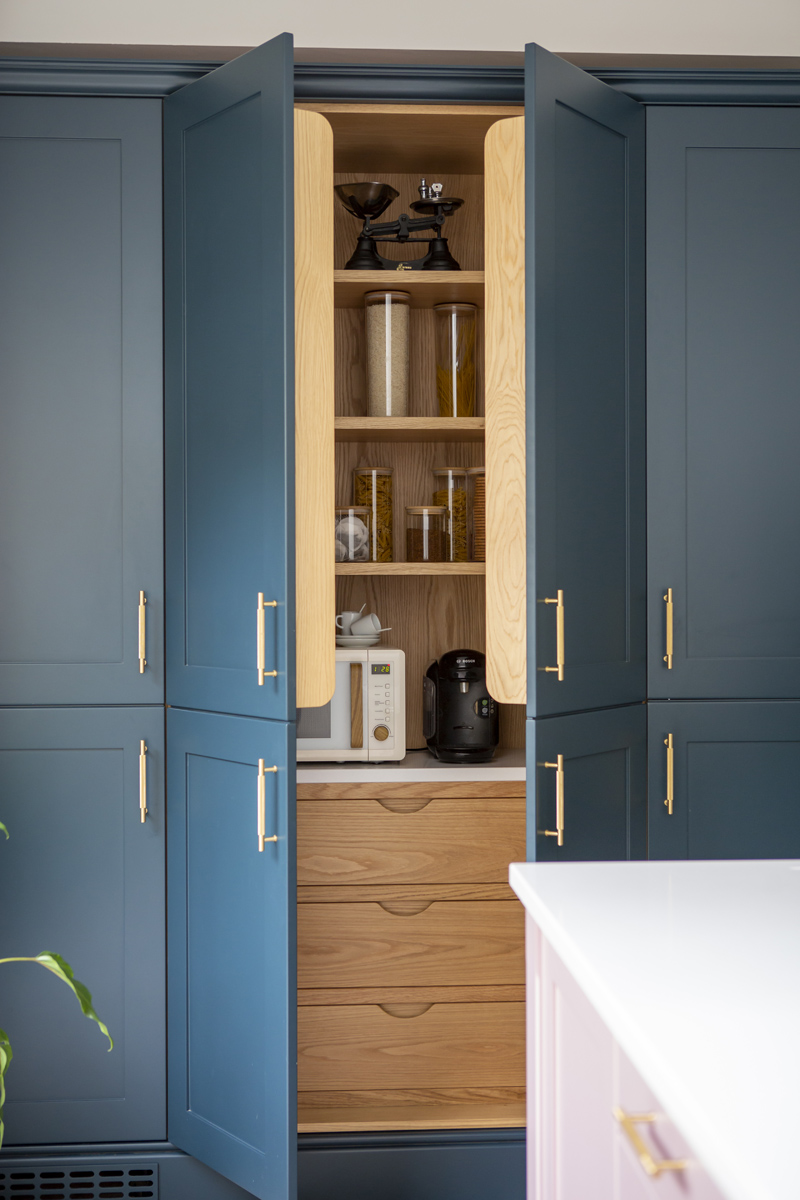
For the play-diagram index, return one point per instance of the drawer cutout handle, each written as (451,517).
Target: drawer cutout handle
(396,804)
(405,1011)
(406,908)
(650,1165)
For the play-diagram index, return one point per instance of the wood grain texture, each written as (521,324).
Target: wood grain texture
(314,408)
(449,1045)
(447,944)
(377,1096)
(505,412)
(408,1115)
(448,841)
(400,893)
(424,287)
(409,429)
(430,790)
(356,707)
(398,995)
(417,568)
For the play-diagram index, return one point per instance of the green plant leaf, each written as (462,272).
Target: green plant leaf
(62,970)
(6,1055)
(5,831)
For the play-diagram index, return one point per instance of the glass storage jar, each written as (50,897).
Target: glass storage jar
(476,501)
(426,533)
(353,526)
(455,359)
(372,489)
(450,490)
(387,316)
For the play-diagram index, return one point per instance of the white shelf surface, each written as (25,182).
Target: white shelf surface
(695,969)
(418,766)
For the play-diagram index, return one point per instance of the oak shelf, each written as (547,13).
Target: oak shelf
(410,429)
(410,1116)
(407,568)
(425,287)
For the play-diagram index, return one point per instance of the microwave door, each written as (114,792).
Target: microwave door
(335,732)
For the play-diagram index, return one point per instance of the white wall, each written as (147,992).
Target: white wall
(755,27)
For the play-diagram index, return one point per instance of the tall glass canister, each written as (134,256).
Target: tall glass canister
(455,359)
(450,490)
(372,488)
(387,316)
(476,501)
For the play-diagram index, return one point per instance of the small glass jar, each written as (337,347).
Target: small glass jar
(353,525)
(476,502)
(387,315)
(455,359)
(426,533)
(450,490)
(372,489)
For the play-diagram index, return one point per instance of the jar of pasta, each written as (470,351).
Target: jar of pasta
(455,359)
(372,489)
(476,500)
(450,491)
(426,533)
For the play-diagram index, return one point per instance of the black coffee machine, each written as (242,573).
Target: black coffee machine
(460,718)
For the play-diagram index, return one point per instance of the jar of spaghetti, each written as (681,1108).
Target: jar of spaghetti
(372,489)
(476,500)
(426,533)
(450,491)
(455,359)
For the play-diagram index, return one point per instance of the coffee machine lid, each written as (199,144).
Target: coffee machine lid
(459,665)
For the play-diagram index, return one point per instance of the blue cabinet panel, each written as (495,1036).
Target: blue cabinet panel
(81,405)
(736,780)
(232,974)
(586,418)
(723,416)
(229,290)
(82,876)
(603,757)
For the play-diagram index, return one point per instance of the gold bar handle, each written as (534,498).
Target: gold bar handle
(670,611)
(142,634)
(142,781)
(261,639)
(262,804)
(668,742)
(558,670)
(651,1166)
(558,767)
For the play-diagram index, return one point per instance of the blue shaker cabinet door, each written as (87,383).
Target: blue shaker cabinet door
(734,780)
(229,287)
(232,972)
(82,876)
(585,386)
(587,776)
(81,401)
(723,414)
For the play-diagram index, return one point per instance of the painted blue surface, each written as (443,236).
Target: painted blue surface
(81,405)
(585,386)
(605,785)
(81,876)
(229,330)
(723,417)
(231,927)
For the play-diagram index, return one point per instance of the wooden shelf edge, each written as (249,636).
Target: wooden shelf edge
(405,568)
(425,287)
(411,1116)
(410,429)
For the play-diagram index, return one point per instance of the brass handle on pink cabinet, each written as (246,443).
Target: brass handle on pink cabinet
(558,669)
(670,619)
(650,1165)
(142,781)
(261,640)
(262,804)
(558,767)
(668,742)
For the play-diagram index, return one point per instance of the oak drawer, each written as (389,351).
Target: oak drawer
(440,841)
(412,1046)
(444,943)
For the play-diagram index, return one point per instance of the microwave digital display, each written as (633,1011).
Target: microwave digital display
(381,669)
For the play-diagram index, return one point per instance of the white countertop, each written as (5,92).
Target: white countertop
(418,766)
(695,969)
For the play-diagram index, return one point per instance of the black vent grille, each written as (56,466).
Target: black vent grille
(68,1180)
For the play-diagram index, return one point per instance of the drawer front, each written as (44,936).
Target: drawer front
(445,841)
(378,944)
(413,1046)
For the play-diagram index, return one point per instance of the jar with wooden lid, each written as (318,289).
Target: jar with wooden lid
(372,489)
(450,490)
(455,359)
(387,321)
(426,533)
(476,502)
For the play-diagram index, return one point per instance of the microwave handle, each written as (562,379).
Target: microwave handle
(356,707)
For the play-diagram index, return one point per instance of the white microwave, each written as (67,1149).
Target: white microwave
(366,719)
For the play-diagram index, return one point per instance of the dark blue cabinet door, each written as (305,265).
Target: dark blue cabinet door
(587,772)
(736,780)
(82,876)
(585,385)
(229,287)
(81,400)
(232,975)
(723,415)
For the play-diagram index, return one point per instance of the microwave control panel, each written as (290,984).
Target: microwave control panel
(381,707)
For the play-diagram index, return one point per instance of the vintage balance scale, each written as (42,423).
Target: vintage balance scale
(368,200)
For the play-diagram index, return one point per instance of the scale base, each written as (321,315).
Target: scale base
(437,258)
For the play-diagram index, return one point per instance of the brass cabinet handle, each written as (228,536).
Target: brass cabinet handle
(670,611)
(558,669)
(651,1166)
(261,640)
(142,634)
(668,742)
(558,767)
(262,804)
(142,781)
